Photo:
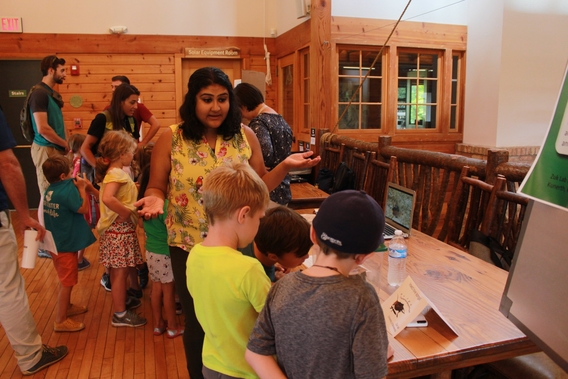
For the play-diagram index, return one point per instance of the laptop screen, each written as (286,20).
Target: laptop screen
(400,205)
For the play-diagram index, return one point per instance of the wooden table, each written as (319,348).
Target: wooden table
(306,195)
(467,291)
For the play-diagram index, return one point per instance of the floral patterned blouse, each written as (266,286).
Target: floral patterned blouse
(275,137)
(190,163)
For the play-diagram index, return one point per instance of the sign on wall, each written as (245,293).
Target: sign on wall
(11,25)
(212,52)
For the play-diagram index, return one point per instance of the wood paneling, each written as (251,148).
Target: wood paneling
(363,31)
(150,62)
(294,39)
(152,74)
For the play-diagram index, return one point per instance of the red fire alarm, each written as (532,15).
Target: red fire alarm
(74,69)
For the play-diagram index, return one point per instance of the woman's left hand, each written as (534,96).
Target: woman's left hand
(152,207)
(302,160)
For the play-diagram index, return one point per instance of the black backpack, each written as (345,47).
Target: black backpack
(343,179)
(325,180)
(25,119)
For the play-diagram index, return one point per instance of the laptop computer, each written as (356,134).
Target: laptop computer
(399,210)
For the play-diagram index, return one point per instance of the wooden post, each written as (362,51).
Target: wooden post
(384,141)
(494,158)
(321,98)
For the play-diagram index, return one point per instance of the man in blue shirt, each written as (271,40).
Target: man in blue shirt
(15,315)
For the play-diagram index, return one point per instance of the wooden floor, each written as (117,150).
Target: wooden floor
(100,350)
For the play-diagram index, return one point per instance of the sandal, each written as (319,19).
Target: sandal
(173,333)
(162,330)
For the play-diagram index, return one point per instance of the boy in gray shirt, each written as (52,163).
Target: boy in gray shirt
(322,323)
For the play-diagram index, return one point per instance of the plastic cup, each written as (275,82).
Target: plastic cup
(373,265)
(31,247)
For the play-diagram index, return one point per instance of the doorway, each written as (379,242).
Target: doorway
(231,67)
(18,76)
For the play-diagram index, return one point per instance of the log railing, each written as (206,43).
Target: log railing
(433,175)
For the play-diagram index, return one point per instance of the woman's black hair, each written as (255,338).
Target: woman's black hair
(248,96)
(120,94)
(192,128)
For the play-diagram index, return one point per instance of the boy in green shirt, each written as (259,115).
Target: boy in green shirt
(228,288)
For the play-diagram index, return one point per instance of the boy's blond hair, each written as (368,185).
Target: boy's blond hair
(230,187)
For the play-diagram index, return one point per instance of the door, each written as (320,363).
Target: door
(231,67)
(286,86)
(18,76)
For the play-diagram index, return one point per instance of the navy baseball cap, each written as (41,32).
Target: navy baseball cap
(350,222)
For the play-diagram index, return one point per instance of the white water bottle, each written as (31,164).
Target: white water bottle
(398,250)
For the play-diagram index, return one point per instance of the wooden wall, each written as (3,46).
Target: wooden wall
(152,63)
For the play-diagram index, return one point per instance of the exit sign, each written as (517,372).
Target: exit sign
(11,25)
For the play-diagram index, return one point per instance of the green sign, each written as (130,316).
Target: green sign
(548,178)
(17,93)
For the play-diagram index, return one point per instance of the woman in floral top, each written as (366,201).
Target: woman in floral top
(209,135)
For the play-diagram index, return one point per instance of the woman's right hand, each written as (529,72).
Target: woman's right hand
(150,207)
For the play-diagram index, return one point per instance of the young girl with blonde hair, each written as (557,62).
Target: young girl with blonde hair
(119,246)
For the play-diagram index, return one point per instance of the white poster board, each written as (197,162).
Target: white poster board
(536,295)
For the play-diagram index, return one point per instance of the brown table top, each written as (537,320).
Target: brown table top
(306,190)
(467,291)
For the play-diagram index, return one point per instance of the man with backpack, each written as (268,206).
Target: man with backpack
(47,119)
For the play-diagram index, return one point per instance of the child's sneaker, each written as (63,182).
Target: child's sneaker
(134,293)
(132,303)
(74,310)
(84,264)
(68,326)
(49,356)
(173,333)
(143,275)
(43,253)
(130,319)
(105,281)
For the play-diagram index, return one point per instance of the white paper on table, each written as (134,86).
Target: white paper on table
(311,259)
(309,217)
(48,243)
(404,305)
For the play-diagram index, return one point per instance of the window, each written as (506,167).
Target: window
(287,87)
(456,95)
(407,97)
(305,87)
(417,101)
(365,109)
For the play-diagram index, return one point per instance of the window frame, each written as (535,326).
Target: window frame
(359,103)
(389,85)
